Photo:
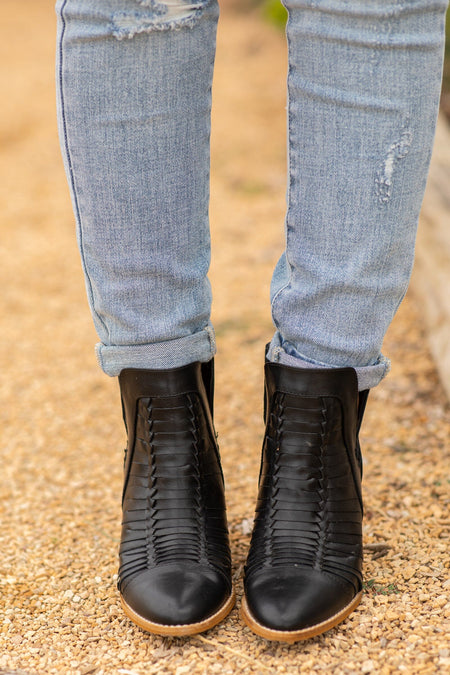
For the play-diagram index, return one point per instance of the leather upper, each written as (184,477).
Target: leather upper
(175,564)
(305,558)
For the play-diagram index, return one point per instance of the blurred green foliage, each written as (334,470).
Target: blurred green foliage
(446,80)
(275,12)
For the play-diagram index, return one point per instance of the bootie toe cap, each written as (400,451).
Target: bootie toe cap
(293,600)
(170,595)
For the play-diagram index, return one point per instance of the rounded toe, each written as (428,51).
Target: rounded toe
(174,595)
(294,600)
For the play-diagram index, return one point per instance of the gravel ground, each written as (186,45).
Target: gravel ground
(62,436)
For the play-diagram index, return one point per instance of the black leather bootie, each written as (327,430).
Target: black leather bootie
(303,573)
(175,564)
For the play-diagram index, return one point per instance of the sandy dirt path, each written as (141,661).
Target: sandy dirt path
(62,435)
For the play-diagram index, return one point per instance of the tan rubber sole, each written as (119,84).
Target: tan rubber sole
(179,630)
(296,635)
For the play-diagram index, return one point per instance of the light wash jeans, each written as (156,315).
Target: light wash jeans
(134,97)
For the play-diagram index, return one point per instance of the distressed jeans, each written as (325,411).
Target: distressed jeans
(134,98)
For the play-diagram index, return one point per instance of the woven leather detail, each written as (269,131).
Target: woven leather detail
(308,512)
(174,507)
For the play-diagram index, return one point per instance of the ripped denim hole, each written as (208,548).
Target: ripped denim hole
(384,180)
(157,16)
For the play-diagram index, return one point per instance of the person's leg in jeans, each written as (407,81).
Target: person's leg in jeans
(134,95)
(363,88)
(135,81)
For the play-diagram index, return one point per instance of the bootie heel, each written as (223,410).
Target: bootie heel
(304,569)
(175,565)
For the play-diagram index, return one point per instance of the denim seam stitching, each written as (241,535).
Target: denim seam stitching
(71,173)
(211,337)
(289,167)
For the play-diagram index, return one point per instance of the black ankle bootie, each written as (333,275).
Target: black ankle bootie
(304,569)
(175,564)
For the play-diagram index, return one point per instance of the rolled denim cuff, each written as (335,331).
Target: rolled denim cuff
(368,376)
(200,346)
